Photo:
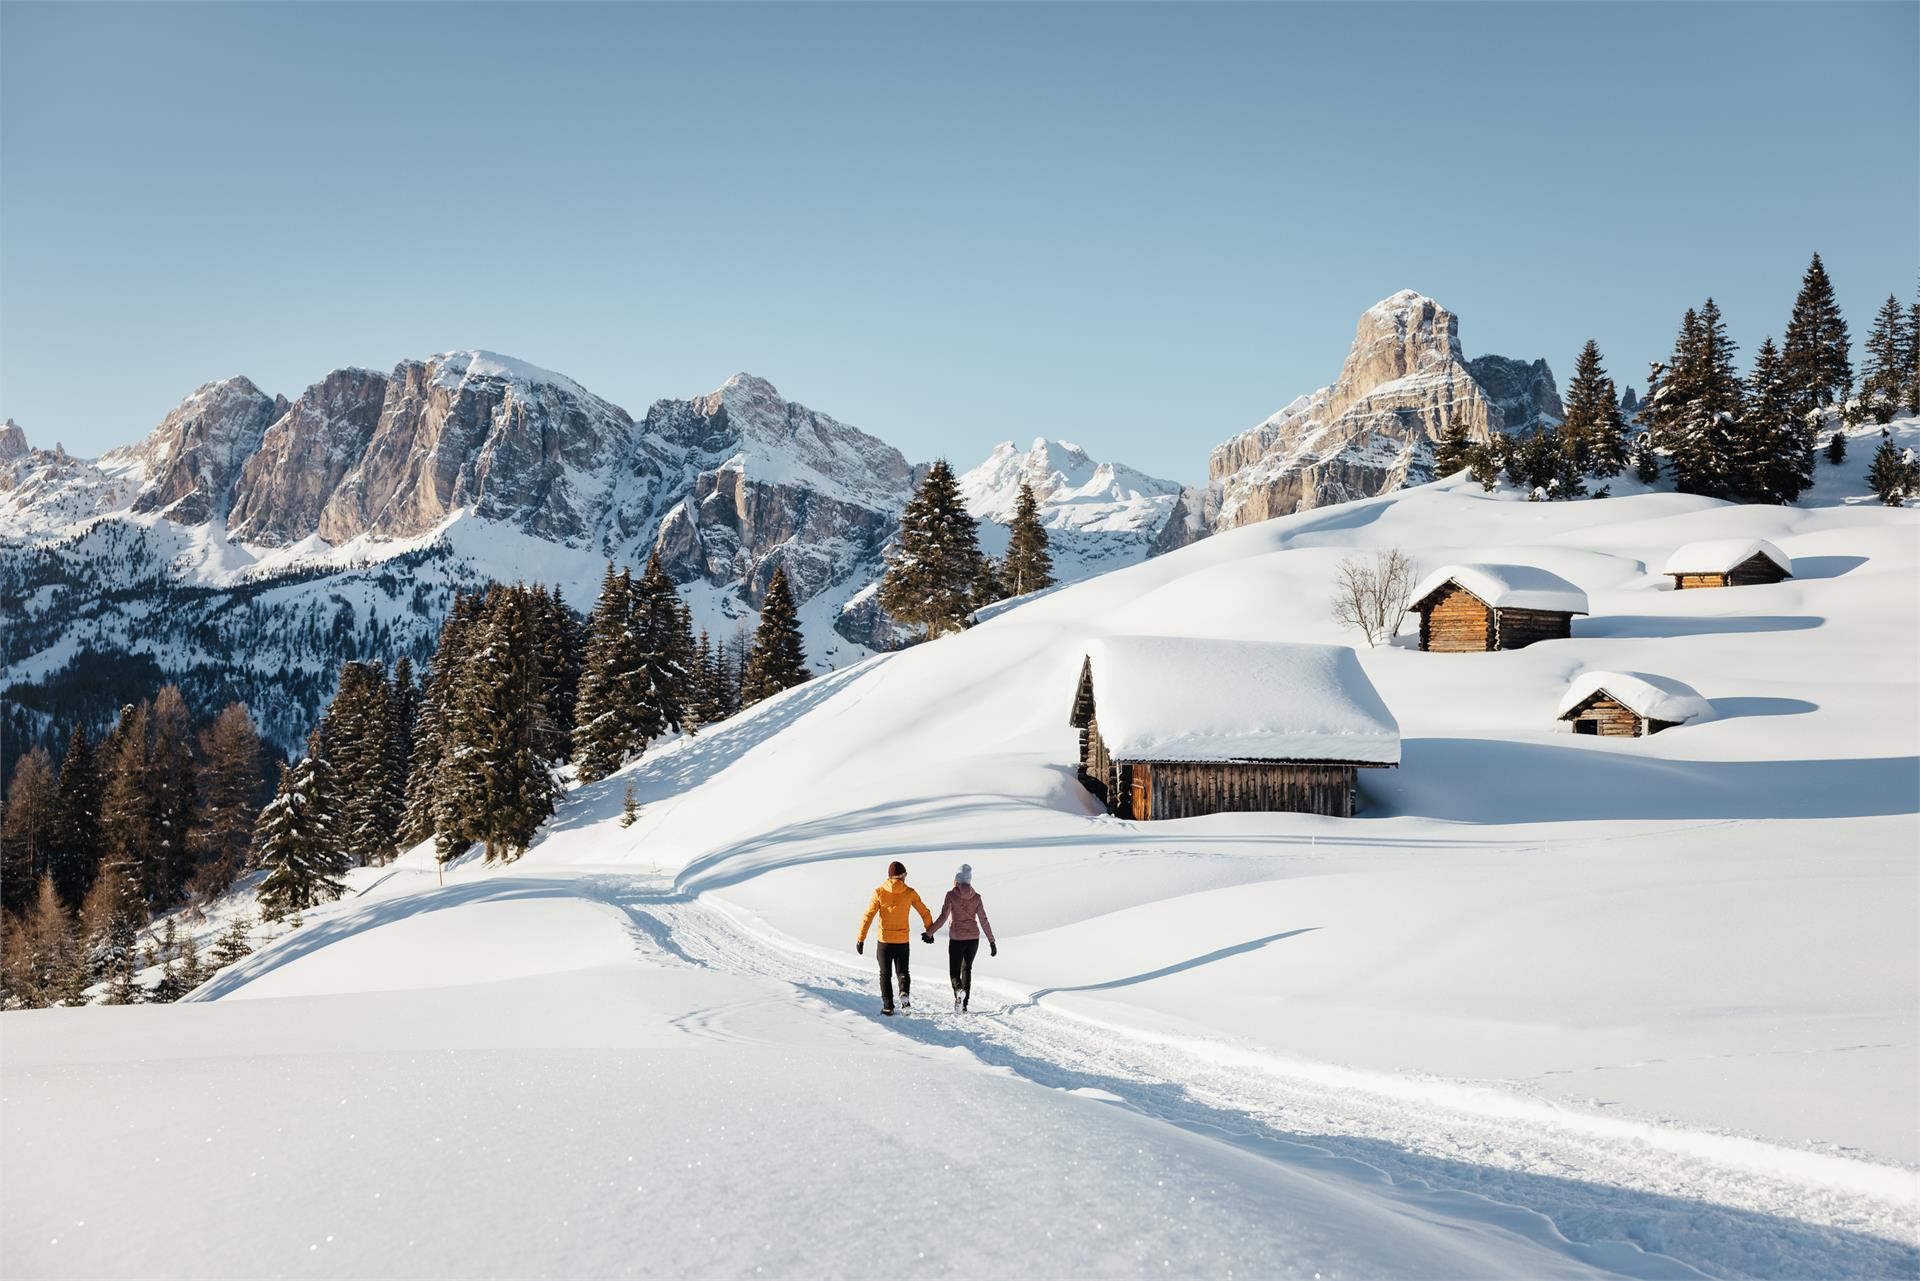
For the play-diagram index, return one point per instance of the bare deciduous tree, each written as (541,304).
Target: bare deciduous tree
(1373,595)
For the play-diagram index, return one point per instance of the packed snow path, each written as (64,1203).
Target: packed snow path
(1605,1190)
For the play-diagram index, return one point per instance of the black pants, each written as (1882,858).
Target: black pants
(960,954)
(893,959)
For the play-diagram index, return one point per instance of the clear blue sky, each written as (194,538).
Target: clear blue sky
(1139,227)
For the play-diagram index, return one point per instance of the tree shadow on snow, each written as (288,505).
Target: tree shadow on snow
(1609,1228)
(1825,566)
(1475,780)
(1191,963)
(1725,708)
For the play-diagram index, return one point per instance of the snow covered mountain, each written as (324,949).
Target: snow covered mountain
(1404,381)
(1098,515)
(249,544)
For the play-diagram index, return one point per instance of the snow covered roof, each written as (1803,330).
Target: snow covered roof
(1718,555)
(1507,587)
(1166,698)
(1659,698)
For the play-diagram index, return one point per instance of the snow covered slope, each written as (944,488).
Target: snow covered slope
(1551,1004)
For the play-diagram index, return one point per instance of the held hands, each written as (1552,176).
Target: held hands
(926,936)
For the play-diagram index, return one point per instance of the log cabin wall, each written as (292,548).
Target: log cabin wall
(1609,717)
(1755,570)
(1456,623)
(1519,628)
(1687,582)
(1097,771)
(1183,790)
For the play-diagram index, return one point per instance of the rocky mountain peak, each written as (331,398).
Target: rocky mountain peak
(1069,484)
(13,442)
(189,463)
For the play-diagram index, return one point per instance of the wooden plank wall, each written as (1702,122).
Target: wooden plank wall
(1687,582)
(1611,717)
(1518,628)
(1457,623)
(1755,570)
(1182,790)
(1096,766)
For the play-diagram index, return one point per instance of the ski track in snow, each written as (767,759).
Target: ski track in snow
(1713,1205)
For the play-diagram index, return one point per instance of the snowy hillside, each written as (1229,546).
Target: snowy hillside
(1550,1005)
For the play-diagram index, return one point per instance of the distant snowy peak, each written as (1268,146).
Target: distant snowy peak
(1073,489)
(13,442)
(189,463)
(453,368)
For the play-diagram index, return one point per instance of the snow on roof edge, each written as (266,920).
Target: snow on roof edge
(1507,587)
(1719,555)
(1659,698)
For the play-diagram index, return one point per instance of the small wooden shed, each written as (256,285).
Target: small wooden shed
(1728,562)
(1630,704)
(1173,727)
(1470,609)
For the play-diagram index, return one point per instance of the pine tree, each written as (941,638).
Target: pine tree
(1646,461)
(76,843)
(1837,447)
(629,806)
(1815,353)
(1484,463)
(666,643)
(1696,404)
(1453,451)
(403,714)
(616,715)
(227,794)
(1027,566)
(169,864)
(28,830)
(1774,455)
(987,585)
(128,820)
(1594,435)
(559,646)
(427,796)
(295,843)
(356,729)
(40,956)
(1913,359)
(778,658)
(1892,474)
(110,922)
(1888,360)
(700,710)
(233,945)
(931,568)
(501,786)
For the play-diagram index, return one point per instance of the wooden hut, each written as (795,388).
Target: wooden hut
(1728,562)
(1470,609)
(1630,704)
(1171,727)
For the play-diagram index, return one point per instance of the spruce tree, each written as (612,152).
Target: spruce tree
(777,659)
(426,792)
(1594,435)
(1774,458)
(233,945)
(500,783)
(1913,359)
(1453,450)
(1883,384)
(1696,403)
(227,792)
(28,830)
(169,864)
(1646,461)
(295,842)
(616,714)
(128,814)
(403,715)
(1815,353)
(1027,567)
(987,585)
(1483,464)
(76,842)
(1892,474)
(1837,447)
(356,730)
(666,644)
(559,646)
(932,566)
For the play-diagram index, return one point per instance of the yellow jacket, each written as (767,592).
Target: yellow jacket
(890,904)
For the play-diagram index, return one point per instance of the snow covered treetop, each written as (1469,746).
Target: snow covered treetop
(1170,698)
(1718,555)
(1506,587)
(1657,698)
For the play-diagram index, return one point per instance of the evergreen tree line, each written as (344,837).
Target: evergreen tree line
(152,815)
(1713,432)
(937,576)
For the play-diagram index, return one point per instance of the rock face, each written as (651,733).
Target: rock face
(13,442)
(304,456)
(193,457)
(1405,381)
(771,483)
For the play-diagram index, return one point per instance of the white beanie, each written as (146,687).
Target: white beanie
(965,875)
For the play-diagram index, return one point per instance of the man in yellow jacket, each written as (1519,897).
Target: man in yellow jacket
(890,903)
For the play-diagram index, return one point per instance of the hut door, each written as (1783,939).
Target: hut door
(1586,725)
(1142,791)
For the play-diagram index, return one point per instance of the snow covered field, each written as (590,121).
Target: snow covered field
(1549,1005)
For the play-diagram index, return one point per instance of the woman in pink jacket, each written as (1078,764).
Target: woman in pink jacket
(965,916)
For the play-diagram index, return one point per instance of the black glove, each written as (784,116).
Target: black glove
(927,936)
(993,949)
(861,947)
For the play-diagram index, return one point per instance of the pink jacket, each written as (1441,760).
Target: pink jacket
(968,912)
